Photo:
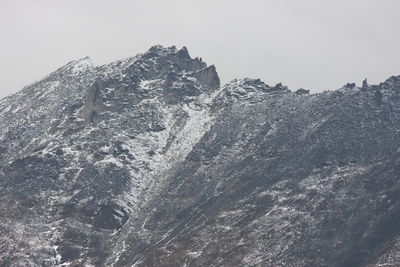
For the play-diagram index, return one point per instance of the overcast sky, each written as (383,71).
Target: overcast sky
(314,44)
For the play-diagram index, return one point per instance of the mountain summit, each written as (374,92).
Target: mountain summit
(149,161)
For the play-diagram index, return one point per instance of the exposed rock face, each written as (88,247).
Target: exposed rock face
(92,107)
(302,91)
(149,162)
(208,76)
(365,85)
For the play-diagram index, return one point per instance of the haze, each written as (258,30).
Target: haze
(313,44)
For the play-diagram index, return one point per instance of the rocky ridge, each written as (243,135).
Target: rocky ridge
(149,161)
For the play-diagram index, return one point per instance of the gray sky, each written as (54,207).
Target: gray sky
(314,44)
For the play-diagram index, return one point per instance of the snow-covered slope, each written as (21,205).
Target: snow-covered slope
(148,161)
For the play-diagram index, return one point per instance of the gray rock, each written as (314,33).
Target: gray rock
(148,161)
(209,76)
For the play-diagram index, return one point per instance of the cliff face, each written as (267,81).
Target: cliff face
(148,161)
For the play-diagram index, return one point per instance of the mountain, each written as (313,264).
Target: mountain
(149,161)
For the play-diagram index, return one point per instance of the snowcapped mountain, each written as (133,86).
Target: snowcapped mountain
(149,161)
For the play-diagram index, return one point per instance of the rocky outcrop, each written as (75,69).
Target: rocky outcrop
(302,91)
(350,85)
(183,54)
(209,76)
(92,106)
(365,84)
(188,63)
(279,88)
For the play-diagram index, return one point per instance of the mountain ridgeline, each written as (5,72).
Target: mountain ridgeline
(150,161)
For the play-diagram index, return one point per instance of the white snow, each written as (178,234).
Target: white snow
(82,65)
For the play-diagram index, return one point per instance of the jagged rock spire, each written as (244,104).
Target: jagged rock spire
(365,84)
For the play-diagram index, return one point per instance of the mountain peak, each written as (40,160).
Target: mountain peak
(162,50)
(184,53)
(147,161)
